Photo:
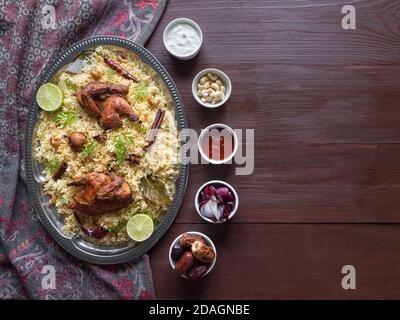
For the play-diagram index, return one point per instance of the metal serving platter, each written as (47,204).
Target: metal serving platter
(79,246)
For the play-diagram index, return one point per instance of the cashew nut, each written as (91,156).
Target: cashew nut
(122,56)
(214,86)
(217,94)
(212,77)
(206,99)
(152,102)
(222,88)
(95,73)
(217,97)
(203,79)
(55,142)
(206,85)
(207,92)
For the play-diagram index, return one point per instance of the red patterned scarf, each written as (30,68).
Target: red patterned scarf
(32,34)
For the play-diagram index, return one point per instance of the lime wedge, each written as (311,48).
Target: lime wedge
(49,97)
(140,227)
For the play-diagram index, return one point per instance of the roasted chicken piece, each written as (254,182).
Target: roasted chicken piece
(102,193)
(87,95)
(115,104)
(113,108)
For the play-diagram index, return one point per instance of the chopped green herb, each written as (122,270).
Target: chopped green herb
(65,118)
(110,74)
(141,92)
(121,145)
(61,200)
(53,165)
(117,228)
(70,85)
(140,127)
(88,150)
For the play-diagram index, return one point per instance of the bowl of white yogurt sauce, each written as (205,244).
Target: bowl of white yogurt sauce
(183,38)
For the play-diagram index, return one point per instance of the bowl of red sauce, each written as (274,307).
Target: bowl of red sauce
(218,143)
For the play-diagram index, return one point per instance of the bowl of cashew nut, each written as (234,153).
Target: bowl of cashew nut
(211,88)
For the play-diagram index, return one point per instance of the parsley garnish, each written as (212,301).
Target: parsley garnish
(65,118)
(88,150)
(109,74)
(61,200)
(117,228)
(70,85)
(141,92)
(121,145)
(140,128)
(53,165)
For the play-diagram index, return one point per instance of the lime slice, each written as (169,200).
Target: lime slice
(49,97)
(140,227)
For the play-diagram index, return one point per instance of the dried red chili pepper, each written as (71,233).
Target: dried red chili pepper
(115,66)
(96,233)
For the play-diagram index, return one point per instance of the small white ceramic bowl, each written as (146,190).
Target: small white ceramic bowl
(217,126)
(216,183)
(225,80)
(189,22)
(208,242)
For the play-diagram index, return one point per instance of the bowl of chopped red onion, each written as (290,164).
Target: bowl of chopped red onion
(216,201)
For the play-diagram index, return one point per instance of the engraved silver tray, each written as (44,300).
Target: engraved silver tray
(53,222)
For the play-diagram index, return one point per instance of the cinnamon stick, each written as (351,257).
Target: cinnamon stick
(154,128)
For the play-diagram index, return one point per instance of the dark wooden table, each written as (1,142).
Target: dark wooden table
(325,106)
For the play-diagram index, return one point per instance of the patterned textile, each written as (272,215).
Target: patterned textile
(32,34)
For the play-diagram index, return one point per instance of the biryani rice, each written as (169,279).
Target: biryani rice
(160,161)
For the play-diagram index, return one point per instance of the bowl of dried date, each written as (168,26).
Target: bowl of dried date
(192,255)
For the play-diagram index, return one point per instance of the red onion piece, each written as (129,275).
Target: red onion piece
(225,213)
(216,203)
(225,194)
(210,191)
(211,209)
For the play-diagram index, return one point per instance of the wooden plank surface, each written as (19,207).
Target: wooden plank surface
(324,103)
(326,130)
(296,261)
(311,183)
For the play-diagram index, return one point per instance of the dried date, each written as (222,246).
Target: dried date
(184,263)
(203,252)
(177,252)
(188,239)
(197,272)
